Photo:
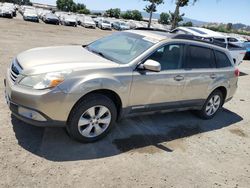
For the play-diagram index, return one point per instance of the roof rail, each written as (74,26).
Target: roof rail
(208,40)
(151,29)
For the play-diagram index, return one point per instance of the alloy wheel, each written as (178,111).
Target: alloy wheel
(94,121)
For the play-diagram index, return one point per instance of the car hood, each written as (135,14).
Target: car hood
(30,14)
(62,57)
(89,22)
(70,20)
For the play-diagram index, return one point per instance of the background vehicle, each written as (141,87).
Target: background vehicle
(88,22)
(247,46)
(25,7)
(51,18)
(6,12)
(104,24)
(68,20)
(232,44)
(30,15)
(120,26)
(11,7)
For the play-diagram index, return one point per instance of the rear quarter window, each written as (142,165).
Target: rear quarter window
(222,60)
(199,58)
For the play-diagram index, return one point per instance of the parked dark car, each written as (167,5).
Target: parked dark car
(51,18)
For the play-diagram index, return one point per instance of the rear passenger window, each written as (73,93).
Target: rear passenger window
(200,57)
(222,60)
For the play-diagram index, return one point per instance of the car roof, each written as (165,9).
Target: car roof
(203,32)
(157,35)
(160,35)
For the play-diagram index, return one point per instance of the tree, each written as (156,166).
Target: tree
(187,24)
(132,15)
(164,18)
(66,5)
(71,6)
(116,12)
(152,8)
(229,26)
(176,17)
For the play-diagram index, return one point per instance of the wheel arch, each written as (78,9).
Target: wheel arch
(223,90)
(106,92)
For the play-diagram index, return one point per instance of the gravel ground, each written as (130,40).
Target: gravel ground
(165,150)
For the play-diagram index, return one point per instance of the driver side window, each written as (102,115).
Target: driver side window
(169,56)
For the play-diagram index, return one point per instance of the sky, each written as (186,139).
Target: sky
(225,11)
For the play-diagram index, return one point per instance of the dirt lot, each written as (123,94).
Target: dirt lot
(168,150)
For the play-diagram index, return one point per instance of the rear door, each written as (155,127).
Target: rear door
(200,73)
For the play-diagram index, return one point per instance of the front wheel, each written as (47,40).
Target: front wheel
(92,118)
(212,105)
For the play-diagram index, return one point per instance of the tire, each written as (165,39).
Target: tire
(84,127)
(212,108)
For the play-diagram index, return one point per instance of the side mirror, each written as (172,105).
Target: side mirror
(152,65)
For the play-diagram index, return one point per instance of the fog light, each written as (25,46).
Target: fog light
(30,114)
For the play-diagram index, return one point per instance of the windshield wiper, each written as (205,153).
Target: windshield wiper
(100,54)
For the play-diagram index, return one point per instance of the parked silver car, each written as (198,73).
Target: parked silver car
(87,88)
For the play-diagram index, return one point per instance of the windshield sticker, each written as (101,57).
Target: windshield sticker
(149,39)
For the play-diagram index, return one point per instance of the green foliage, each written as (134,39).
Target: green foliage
(152,8)
(116,12)
(229,26)
(19,2)
(164,18)
(71,6)
(176,17)
(187,24)
(84,11)
(132,14)
(96,13)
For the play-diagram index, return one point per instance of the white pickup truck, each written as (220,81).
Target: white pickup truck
(234,45)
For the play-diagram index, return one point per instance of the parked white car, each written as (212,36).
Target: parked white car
(104,24)
(231,43)
(30,15)
(11,7)
(68,20)
(6,12)
(88,22)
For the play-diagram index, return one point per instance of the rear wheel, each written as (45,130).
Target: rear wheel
(92,118)
(212,105)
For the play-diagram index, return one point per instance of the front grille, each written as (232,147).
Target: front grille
(15,70)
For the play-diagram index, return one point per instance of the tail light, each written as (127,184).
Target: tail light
(237,72)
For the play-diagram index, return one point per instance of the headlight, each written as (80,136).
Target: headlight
(44,81)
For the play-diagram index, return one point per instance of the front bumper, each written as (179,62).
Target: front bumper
(32,19)
(53,106)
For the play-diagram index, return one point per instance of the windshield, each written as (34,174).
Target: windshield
(120,47)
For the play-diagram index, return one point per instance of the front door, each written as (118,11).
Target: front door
(159,89)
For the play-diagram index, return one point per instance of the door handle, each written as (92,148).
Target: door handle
(213,76)
(179,78)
